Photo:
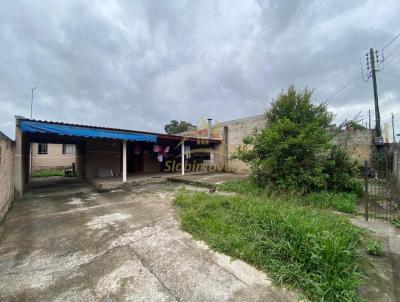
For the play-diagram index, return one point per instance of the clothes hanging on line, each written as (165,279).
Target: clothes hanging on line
(187,152)
(162,151)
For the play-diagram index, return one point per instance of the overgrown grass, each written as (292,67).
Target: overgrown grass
(47,173)
(241,186)
(340,201)
(343,202)
(301,246)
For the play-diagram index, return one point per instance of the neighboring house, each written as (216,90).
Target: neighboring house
(52,156)
(232,134)
(357,143)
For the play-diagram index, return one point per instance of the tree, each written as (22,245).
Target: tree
(355,123)
(291,152)
(175,127)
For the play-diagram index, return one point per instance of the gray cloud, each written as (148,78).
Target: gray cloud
(139,64)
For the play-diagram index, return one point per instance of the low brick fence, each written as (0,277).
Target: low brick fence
(6,174)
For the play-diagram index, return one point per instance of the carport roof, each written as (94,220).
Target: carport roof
(77,130)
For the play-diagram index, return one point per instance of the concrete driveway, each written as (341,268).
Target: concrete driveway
(116,246)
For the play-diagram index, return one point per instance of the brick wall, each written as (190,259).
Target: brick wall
(235,132)
(102,153)
(232,134)
(6,174)
(53,159)
(357,143)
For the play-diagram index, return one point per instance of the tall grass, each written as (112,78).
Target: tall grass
(308,248)
(244,186)
(340,201)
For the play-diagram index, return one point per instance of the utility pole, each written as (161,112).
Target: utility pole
(33,89)
(373,74)
(369,118)
(394,137)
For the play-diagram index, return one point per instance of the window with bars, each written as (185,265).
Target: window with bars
(42,148)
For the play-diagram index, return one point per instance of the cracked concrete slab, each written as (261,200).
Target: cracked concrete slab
(116,246)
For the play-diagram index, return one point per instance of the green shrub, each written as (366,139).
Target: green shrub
(374,247)
(341,172)
(293,152)
(288,153)
(343,202)
(304,247)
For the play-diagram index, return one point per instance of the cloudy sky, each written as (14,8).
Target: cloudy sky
(139,64)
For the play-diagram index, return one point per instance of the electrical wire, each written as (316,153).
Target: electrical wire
(389,116)
(384,83)
(390,74)
(341,69)
(343,88)
(392,55)
(391,41)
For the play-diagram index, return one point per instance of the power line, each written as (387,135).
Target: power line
(392,58)
(392,55)
(388,116)
(384,83)
(334,75)
(348,85)
(398,112)
(391,41)
(362,72)
(390,74)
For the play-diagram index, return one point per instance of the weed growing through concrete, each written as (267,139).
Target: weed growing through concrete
(374,247)
(396,222)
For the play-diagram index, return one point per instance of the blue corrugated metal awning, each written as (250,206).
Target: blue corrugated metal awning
(41,127)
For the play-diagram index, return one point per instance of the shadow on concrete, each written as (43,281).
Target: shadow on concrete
(57,185)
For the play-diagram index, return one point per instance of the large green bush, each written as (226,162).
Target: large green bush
(341,172)
(294,152)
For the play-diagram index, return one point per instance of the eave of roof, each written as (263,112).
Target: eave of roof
(159,135)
